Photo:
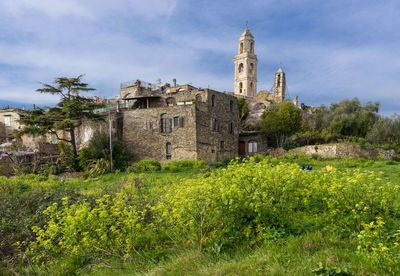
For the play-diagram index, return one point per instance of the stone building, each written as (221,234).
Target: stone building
(9,123)
(178,122)
(164,121)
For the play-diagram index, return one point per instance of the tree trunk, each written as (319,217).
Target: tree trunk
(73,142)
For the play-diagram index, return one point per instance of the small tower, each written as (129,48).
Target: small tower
(280,85)
(246,66)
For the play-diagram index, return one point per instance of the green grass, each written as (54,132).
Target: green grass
(313,253)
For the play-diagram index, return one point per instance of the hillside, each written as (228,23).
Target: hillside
(264,216)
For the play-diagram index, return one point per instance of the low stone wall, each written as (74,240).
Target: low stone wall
(338,151)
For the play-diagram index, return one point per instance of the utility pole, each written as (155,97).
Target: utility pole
(110,134)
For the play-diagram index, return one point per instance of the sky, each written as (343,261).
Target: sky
(330,50)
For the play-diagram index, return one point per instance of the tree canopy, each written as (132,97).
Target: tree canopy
(280,121)
(66,116)
(348,118)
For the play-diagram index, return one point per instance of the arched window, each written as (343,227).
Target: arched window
(213,100)
(278,81)
(252,146)
(240,87)
(168,150)
(240,67)
(252,47)
(241,47)
(231,106)
(198,98)
(251,85)
(251,67)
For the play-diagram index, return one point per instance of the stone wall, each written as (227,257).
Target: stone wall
(143,139)
(217,145)
(259,138)
(339,151)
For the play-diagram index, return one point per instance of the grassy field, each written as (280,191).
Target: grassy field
(315,225)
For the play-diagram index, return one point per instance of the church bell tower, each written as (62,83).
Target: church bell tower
(280,85)
(246,66)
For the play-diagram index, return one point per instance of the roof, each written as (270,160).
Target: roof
(247,32)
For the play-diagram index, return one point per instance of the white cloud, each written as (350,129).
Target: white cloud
(49,8)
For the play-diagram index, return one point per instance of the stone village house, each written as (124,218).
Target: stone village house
(173,122)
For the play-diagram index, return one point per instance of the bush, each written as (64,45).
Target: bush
(22,202)
(145,165)
(182,165)
(53,169)
(98,149)
(240,203)
(118,225)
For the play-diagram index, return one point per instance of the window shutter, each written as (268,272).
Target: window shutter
(181,121)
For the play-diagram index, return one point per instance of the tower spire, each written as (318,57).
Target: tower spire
(246,65)
(280,85)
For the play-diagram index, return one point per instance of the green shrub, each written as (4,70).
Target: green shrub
(396,158)
(98,167)
(381,246)
(238,203)
(53,169)
(111,226)
(145,165)
(99,148)
(182,165)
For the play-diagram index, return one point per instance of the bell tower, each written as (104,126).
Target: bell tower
(245,66)
(280,85)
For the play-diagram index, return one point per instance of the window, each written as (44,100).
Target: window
(170,101)
(213,100)
(251,67)
(53,138)
(168,150)
(178,121)
(240,87)
(198,98)
(252,146)
(231,128)
(7,120)
(231,106)
(149,125)
(252,47)
(221,145)
(215,125)
(240,67)
(241,47)
(278,82)
(165,124)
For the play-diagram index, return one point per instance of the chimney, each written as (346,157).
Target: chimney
(174,82)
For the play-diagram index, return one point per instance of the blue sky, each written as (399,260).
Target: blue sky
(330,50)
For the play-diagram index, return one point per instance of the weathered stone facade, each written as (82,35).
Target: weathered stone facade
(187,123)
(252,143)
(338,151)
